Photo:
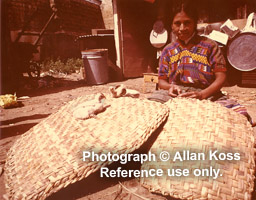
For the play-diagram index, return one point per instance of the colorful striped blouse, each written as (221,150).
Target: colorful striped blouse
(194,66)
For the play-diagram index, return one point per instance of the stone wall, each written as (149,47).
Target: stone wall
(75,17)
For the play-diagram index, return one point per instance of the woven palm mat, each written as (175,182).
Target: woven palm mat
(202,127)
(48,157)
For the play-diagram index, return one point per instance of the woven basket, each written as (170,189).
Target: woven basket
(200,127)
(48,157)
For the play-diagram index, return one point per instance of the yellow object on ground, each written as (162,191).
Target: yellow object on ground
(8,101)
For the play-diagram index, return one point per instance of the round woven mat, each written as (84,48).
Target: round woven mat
(48,157)
(200,127)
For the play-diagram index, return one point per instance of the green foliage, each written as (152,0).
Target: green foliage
(58,66)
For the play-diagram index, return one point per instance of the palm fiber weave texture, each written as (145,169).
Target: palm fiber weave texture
(48,157)
(195,126)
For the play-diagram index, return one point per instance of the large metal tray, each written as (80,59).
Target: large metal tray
(241,52)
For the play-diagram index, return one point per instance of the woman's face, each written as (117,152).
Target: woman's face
(183,26)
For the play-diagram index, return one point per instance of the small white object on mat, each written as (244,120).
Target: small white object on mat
(122,91)
(90,108)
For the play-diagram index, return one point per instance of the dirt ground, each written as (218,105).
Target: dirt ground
(48,95)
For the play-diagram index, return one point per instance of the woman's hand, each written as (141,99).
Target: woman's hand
(196,95)
(207,92)
(174,90)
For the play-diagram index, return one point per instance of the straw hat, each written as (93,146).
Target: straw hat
(159,35)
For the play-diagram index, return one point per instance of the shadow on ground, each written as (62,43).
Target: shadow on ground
(33,88)
(10,128)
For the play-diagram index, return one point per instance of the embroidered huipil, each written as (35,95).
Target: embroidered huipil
(191,66)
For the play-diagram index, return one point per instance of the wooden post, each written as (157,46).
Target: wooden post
(117,35)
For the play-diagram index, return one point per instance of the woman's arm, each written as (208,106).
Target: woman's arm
(163,84)
(220,78)
(217,84)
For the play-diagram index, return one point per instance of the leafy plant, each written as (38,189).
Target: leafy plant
(58,66)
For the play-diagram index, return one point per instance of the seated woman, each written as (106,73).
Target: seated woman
(193,66)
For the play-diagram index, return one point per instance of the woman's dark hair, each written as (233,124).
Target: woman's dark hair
(187,6)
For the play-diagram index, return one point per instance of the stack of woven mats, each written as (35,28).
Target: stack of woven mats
(48,157)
